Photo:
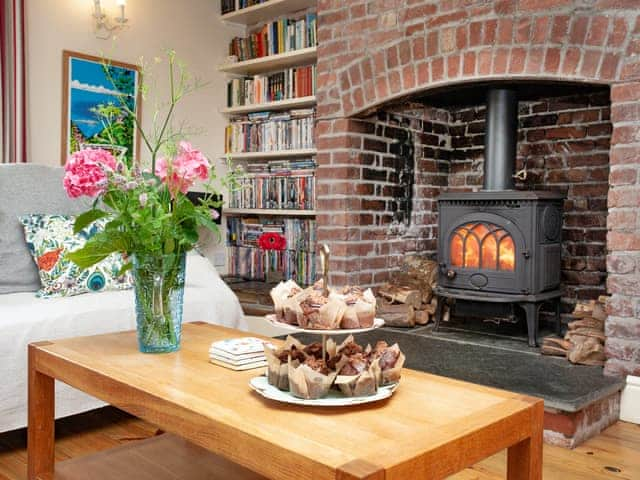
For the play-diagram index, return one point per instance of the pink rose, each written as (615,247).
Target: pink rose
(181,172)
(85,172)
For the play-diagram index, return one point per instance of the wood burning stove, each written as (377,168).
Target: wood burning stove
(501,246)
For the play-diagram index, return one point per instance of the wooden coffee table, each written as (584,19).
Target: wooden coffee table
(432,427)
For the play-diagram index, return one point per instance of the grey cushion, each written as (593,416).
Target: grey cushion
(27,188)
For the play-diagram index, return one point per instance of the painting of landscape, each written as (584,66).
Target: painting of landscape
(100,101)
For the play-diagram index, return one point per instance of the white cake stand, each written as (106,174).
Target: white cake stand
(377,323)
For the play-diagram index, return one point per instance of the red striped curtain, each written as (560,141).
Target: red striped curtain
(12,70)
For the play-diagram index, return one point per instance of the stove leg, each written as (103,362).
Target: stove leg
(558,318)
(439,311)
(531,311)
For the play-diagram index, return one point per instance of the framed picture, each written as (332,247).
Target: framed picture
(99,99)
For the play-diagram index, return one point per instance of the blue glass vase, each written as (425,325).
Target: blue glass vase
(159,293)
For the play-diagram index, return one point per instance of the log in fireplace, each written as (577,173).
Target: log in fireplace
(499,249)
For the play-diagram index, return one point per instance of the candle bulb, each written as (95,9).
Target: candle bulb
(122,4)
(97,9)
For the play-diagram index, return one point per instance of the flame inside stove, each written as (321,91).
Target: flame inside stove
(482,245)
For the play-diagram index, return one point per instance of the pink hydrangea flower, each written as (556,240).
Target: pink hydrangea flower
(85,172)
(182,172)
(193,161)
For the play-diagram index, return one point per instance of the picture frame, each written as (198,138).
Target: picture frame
(87,87)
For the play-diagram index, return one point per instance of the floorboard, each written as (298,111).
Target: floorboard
(615,454)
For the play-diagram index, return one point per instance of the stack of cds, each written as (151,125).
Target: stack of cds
(244,353)
(271,131)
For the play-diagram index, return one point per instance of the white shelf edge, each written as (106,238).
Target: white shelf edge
(270,155)
(269,211)
(278,105)
(270,62)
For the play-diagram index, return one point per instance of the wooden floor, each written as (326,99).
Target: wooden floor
(615,454)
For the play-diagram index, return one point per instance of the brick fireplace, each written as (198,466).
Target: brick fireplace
(380,65)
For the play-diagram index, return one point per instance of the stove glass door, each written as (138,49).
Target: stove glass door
(482,245)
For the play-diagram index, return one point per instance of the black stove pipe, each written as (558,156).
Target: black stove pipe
(501,138)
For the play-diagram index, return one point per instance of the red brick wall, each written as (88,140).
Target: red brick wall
(363,181)
(373,52)
(623,237)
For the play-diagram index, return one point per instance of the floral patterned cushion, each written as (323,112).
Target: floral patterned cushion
(49,238)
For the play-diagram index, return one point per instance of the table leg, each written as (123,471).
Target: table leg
(40,434)
(524,459)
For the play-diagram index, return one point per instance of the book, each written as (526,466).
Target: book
(279,36)
(299,234)
(287,84)
(237,362)
(239,346)
(253,263)
(271,131)
(227,6)
(235,358)
(248,366)
(288,190)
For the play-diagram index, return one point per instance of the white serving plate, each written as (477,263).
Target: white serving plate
(271,318)
(333,399)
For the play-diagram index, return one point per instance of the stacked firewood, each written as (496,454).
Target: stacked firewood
(408,300)
(584,341)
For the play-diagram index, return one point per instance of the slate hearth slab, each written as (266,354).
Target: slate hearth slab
(563,386)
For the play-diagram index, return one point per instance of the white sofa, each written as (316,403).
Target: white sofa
(25,318)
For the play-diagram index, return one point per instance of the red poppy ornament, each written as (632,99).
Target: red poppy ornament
(272,241)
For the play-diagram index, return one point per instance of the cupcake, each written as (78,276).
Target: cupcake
(358,377)
(280,294)
(391,361)
(278,360)
(312,379)
(321,313)
(361,308)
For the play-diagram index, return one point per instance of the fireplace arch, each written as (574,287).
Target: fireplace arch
(404,48)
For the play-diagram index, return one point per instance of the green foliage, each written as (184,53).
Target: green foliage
(118,129)
(87,218)
(99,247)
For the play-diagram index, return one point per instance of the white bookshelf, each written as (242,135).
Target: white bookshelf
(287,104)
(266,11)
(269,211)
(271,63)
(304,152)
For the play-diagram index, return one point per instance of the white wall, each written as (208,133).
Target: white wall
(190,27)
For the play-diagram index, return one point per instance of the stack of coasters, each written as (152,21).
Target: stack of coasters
(244,353)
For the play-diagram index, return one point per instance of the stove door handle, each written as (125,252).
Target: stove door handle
(451,274)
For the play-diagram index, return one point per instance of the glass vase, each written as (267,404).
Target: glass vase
(159,295)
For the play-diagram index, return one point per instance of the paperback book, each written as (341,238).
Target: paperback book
(288,84)
(281,36)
